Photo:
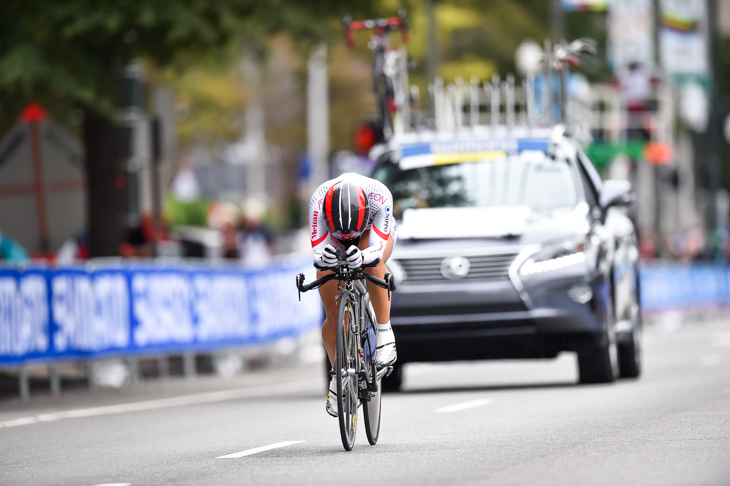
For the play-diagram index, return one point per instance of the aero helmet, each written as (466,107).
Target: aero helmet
(346,210)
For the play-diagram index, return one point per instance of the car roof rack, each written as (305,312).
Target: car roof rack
(500,108)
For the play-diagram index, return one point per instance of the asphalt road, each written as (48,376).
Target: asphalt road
(464,423)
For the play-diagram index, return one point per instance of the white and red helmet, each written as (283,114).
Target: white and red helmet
(346,210)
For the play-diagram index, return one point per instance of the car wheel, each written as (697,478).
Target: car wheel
(393,382)
(601,365)
(629,353)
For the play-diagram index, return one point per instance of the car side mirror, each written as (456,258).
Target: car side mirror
(616,192)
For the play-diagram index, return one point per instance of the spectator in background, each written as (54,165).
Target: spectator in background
(230,241)
(694,244)
(73,250)
(11,250)
(254,241)
(222,217)
(140,240)
(636,84)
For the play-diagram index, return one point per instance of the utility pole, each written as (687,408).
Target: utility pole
(658,170)
(254,132)
(156,136)
(713,128)
(432,60)
(132,125)
(557,21)
(317,119)
(547,93)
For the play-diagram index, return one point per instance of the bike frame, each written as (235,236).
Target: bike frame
(361,300)
(356,288)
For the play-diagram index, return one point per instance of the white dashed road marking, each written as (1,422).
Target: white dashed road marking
(210,397)
(250,452)
(425,368)
(463,406)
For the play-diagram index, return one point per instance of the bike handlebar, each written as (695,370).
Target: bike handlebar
(378,26)
(344,273)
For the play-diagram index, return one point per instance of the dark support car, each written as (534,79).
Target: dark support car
(511,248)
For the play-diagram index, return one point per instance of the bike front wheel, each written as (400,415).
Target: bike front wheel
(347,372)
(371,408)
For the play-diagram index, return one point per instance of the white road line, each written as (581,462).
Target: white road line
(721,339)
(463,406)
(114,484)
(424,368)
(250,452)
(711,360)
(210,397)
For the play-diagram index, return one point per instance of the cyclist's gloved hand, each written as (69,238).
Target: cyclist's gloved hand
(354,257)
(329,256)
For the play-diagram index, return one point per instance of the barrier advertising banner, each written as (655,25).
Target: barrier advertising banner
(684,287)
(77,312)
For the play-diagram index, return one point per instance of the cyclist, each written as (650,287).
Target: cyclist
(353,214)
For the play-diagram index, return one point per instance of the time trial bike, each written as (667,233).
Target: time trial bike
(358,377)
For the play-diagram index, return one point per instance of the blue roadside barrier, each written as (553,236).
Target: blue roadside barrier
(667,287)
(96,311)
(89,312)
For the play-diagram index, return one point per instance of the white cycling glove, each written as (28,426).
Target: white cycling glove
(328,256)
(354,257)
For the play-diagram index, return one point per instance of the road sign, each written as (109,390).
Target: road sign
(42,186)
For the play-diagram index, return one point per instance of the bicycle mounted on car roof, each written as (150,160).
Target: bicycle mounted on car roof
(358,377)
(387,66)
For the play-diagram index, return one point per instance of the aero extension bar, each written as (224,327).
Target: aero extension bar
(343,273)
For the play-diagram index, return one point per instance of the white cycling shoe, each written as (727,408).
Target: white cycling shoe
(385,352)
(332,397)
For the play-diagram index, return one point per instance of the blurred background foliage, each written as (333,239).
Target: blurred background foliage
(474,38)
(65,55)
(191,213)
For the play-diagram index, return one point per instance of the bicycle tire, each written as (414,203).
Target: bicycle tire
(372,407)
(347,371)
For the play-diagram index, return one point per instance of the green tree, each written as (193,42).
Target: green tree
(69,56)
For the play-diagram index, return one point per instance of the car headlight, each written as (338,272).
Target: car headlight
(555,257)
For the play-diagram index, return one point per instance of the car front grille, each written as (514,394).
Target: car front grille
(482,268)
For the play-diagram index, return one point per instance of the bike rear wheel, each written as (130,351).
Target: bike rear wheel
(371,408)
(347,372)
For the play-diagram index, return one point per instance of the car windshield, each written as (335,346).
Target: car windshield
(528,179)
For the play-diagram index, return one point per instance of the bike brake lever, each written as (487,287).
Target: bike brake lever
(300,279)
